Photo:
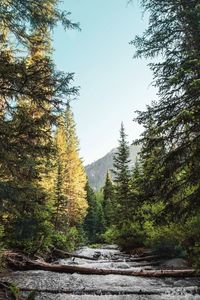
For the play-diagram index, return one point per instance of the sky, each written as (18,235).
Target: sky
(113,85)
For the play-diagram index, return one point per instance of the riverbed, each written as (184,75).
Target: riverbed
(62,286)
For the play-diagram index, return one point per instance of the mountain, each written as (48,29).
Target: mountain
(96,171)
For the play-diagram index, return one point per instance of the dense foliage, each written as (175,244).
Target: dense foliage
(31,98)
(165,183)
(171,143)
(46,201)
(94,221)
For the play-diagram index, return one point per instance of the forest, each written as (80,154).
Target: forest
(46,202)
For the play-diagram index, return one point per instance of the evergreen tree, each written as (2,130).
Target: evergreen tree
(122,179)
(70,208)
(90,221)
(93,223)
(100,214)
(171,155)
(60,200)
(135,185)
(174,32)
(108,201)
(31,90)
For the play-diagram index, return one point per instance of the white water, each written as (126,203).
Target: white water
(169,288)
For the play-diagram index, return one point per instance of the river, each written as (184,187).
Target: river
(62,286)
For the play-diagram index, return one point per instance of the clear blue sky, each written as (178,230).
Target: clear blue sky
(113,84)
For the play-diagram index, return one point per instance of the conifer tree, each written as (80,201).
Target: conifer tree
(121,173)
(173,35)
(31,90)
(75,177)
(91,221)
(174,32)
(71,209)
(94,221)
(135,185)
(108,201)
(60,200)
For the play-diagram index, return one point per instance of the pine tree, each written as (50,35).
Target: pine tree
(94,223)
(108,201)
(174,32)
(90,221)
(122,178)
(31,89)
(60,200)
(149,169)
(173,151)
(71,210)
(74,184)
(135,185)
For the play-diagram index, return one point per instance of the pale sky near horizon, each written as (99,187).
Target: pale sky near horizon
(112,84)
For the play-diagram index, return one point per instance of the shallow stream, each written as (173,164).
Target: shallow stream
(97,287)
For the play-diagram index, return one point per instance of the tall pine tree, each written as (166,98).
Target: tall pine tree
(121,173)
(173,35)
(93,224)
(108,201)
(174,32)
(72,205)
(31,89)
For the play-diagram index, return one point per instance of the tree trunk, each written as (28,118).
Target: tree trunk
(93,291)
(23,263)
(62,253)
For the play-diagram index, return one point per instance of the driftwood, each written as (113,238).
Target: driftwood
(19,262)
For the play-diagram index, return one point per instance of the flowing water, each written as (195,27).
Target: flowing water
(75,286)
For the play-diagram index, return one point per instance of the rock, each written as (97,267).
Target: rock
(175,263)
(123,266)
(97,254)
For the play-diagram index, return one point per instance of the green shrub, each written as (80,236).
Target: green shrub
(68,241)
(166,240)
(168,247)
(192,240)
(195,255)
(110,235)
(31,234)
(74,238)
(131,236)
(59,240)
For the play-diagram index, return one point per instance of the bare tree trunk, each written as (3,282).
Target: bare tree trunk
(23,263)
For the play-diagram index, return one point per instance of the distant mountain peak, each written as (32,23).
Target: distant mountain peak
(97,170)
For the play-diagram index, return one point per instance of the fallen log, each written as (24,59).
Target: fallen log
(21,257)
(92,291)
(145,258)
(153,263)
(145,264)
(138,258)
(129,258)
(28,264)
(68,254)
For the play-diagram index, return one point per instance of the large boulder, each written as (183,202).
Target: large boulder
(175,263)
